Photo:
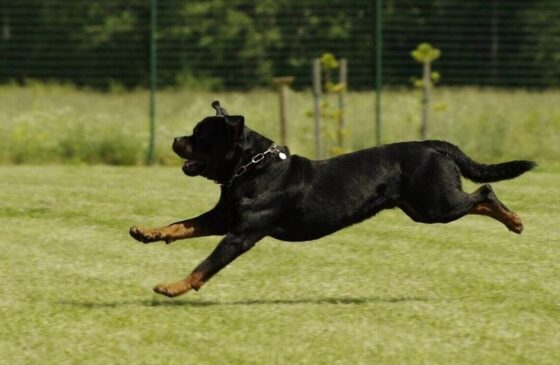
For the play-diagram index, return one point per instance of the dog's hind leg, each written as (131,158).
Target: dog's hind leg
(434,195)
(455,203)
(437,203)
(492,207)
(227,250)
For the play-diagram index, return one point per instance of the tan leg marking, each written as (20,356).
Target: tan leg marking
(499,213)
(173,232)
(193,281)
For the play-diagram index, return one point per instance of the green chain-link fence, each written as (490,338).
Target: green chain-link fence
(240,44)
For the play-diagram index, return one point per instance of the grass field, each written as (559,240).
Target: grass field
(54,123)
(76,289)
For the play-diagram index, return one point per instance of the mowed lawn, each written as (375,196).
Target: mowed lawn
(76,289)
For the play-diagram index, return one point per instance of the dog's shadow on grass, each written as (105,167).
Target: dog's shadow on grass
(157,302)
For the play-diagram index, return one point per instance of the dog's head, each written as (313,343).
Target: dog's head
(213,148)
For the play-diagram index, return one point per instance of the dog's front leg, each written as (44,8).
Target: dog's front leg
(208,224)
(227,250)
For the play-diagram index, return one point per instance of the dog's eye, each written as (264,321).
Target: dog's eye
(196,133)
(201,136)
(202,139)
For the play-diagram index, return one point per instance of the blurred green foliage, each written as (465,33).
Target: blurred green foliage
(334,133)
(242,44)
(425,53)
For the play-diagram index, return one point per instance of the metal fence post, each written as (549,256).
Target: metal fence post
(378,68)
(153,83)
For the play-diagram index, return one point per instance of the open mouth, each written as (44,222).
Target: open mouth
(189,164)
(192,167)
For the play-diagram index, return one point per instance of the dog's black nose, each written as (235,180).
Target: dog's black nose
(177,140)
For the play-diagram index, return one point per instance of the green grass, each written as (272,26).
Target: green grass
(54,123)
(77,290)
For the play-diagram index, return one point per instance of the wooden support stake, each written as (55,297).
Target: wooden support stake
(282,84)
(317,107)
(427,83)
(343,80)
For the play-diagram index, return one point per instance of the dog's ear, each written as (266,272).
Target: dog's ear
(218,108)
(235,124)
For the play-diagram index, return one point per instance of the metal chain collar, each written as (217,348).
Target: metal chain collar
(255,160)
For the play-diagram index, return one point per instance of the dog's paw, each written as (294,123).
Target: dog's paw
(172,290)
(514,224)
(143,235)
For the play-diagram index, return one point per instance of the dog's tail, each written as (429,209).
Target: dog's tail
(477,172)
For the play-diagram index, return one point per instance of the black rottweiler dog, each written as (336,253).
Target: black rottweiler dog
(265,191)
